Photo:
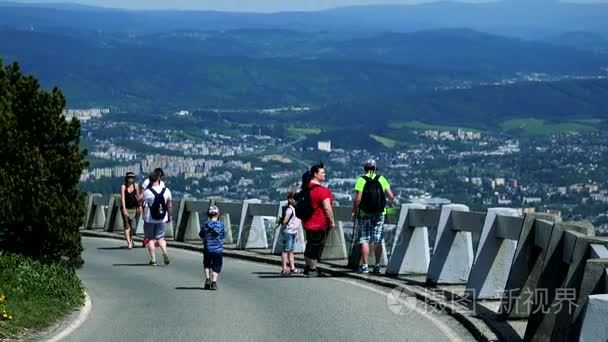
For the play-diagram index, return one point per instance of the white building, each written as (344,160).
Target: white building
(324,146)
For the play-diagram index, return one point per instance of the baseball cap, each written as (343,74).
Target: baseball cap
(213,210)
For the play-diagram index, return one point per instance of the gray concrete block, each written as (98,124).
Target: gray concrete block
(252,230)
(90,210)
(494,257)
(522,282)
(99,217)
(595,323)
(585,277)
(225,218)
(452,258)
(546,323)
(410,251)
(193,227)
(593,283)
(335,244)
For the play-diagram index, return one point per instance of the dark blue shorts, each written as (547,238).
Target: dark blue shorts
(213,261)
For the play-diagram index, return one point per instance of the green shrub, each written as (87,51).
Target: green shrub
(36,294)
(40,165)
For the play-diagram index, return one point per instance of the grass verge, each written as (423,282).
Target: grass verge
(35,295)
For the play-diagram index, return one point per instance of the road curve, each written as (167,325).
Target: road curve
(136,302)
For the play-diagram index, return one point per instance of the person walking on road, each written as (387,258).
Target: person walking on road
(159,202)
(369,209)
(314,208)
(144,186)
(129,206)
(213,233)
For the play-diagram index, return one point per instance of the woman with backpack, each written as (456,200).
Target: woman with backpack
(129,206)
(314,208)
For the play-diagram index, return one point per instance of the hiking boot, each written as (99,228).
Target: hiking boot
(363,269)
(213,286)
(166,259)
(207,284)
(377,269)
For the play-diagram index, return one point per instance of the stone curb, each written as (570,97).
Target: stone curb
(69,326)
(475,324)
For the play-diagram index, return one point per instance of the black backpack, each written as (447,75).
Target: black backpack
(304,208)
(373,199)
(158,209)
(282,217)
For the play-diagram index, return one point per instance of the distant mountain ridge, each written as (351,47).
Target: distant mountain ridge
(530,19)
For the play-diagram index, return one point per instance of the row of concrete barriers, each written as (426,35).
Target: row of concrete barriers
(554,274)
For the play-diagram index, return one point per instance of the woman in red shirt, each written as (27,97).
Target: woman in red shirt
(321,220)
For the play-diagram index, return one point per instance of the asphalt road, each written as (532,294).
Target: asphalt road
(136,302)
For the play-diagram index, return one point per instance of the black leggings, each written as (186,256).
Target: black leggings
(315,242)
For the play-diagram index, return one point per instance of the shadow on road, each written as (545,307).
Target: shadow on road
(189,288)
(276,275)
(112,248)
(133,265)
(273,273)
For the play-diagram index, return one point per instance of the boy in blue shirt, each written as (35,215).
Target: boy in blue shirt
(213,233)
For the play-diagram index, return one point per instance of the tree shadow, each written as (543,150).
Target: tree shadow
(190,288)
(112,248)
(134,265)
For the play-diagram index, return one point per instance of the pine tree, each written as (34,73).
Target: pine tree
(41,161)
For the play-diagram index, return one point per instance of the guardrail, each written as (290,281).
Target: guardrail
(555,274)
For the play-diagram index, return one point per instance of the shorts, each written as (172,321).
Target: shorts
(315,243)
(213,260)
(154,231)
(289,241)
(130,221)
(370,228)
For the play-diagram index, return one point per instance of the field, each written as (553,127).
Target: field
(531,126)
(425,126)
(387,142)
(293,130)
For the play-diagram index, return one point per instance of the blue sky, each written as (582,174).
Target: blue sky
(244,5)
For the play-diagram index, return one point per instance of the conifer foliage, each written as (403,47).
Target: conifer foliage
(41,161)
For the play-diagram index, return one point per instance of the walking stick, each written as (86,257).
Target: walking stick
(354,255)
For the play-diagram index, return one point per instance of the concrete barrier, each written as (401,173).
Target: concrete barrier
(96,213)
(410,252)
(595,322)
(536,260)
(522,283)
(495,253)
(252,230)
(114,220)
(453,257)
(562,269)
(89,211)
(594,283)
(225,218)
(188,219)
